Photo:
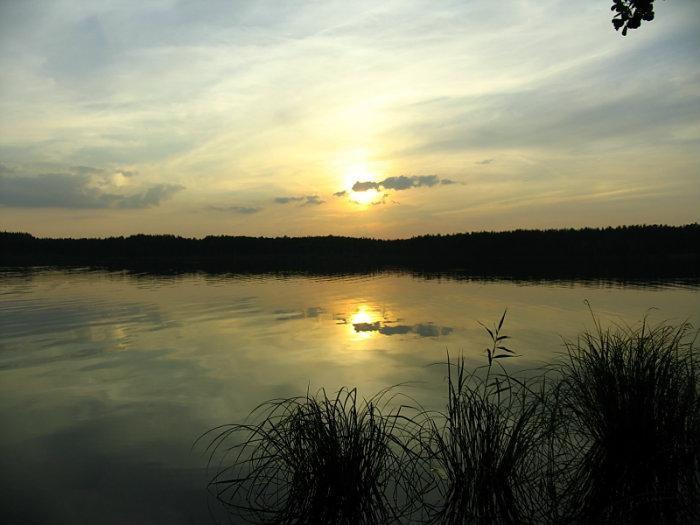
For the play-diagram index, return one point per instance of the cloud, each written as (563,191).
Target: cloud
(365,186)
(380,201)
(313,200)
(340,193)
(243,210)
(306,200)
(153,196)
(77,190)
(400,183)
(484,162)
(404,183)
(287,200)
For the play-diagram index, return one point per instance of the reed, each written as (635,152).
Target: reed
(484,449)
(610,433)
(627,425)
(315,459)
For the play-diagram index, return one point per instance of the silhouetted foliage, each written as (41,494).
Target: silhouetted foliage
(314,459)
(631,251)
(631,13)
(628,425)
(609,434)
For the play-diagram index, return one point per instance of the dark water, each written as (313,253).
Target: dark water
(106,379)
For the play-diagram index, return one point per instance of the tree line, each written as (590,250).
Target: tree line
(644,250)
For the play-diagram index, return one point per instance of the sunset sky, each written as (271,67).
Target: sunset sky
(383,119)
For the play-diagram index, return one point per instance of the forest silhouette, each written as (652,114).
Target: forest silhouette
(633,251)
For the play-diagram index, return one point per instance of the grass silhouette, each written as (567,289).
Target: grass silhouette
(315,459)
(608,434)
(628,411)
(483,450)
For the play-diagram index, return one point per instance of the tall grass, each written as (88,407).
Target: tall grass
(484,448)
(484,451)
(628,425)
(609,434)
(315,459)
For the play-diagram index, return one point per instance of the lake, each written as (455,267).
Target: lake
(107,378)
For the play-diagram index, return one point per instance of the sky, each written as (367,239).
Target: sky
(383,119)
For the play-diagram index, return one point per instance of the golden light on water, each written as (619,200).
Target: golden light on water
(362,322)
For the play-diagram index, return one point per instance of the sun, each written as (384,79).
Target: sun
(364,197)
(360,173)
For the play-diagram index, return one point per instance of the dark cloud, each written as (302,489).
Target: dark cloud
(402,182)
(287,200)
(313,200)
(243,210)
(340,193)
(62,190)
(365,186)
(484,162)
(306,200)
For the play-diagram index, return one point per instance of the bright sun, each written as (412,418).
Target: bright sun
(364,197)
(360,173)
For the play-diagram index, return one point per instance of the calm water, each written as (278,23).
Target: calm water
(107,378)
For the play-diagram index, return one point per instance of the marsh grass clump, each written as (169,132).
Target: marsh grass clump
(484,450)
(314,459)
(609,434)
(628,416)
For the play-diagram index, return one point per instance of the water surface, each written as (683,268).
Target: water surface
(107,378)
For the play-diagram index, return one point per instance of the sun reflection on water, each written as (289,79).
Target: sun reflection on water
(363,322)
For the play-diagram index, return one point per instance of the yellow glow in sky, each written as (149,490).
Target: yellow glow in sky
(249,119)
(365,197)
